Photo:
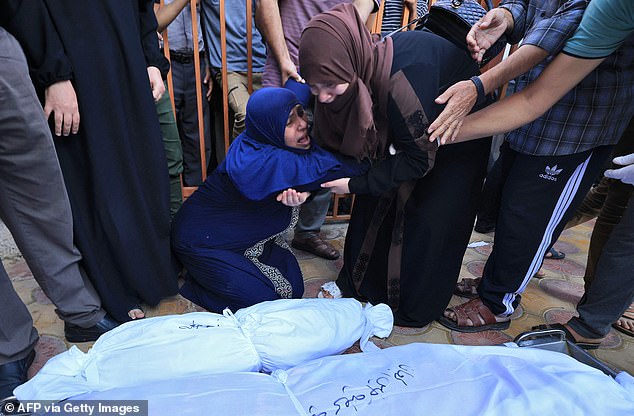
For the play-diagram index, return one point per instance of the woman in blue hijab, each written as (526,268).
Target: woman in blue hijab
(230,234)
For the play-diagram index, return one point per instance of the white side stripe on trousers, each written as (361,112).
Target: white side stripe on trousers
(565,199)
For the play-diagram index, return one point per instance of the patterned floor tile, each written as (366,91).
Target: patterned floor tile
(46,348)
(312,286)
(18,271)
(480,338)
(173,305)
(562,289)
(404,330)
(483,250)
(621,357)
(38,296)
(476,267)
(565,267)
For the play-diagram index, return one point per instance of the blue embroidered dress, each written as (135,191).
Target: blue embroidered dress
(230,234)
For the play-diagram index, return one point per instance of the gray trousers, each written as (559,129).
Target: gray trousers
(34,206)
(313,213)
(612,290)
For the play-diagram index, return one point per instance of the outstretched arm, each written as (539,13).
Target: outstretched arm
(547,37)
(167,13)
(559,77)
(461,97)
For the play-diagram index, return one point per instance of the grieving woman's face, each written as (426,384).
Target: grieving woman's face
(327,92)
(296,132)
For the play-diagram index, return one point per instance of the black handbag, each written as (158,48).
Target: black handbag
(452,19)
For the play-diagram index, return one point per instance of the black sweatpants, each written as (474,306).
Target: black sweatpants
(539,194)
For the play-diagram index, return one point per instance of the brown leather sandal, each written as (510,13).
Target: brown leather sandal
(481,317)
(314,244)
(467,288)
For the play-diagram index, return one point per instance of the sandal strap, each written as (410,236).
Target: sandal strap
(468,285)
(475,311)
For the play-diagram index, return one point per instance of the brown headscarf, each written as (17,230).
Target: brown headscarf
(336,47)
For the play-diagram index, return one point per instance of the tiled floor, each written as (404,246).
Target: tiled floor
(551,299)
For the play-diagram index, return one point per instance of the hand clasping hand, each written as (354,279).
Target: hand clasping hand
(292,198)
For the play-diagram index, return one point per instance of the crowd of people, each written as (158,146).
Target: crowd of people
(92,157)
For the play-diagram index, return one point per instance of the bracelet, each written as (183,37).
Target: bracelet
(479,88)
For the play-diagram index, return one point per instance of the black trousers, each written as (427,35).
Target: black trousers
(539,194)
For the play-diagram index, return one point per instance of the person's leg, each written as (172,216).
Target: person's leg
(616,195)
(17,337)
(616,202)
(173,149)
(33,200)
(591,205)
(237,98)
(35,208)
(219,279)
(186,104)
(540,193)
(612,290)
(311,217)
(491,193)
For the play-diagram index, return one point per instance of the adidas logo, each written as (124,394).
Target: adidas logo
(551,173)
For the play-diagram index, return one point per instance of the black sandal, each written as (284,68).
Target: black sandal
(586,345)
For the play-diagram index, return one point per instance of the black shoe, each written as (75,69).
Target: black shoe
(13,374)
(74,333)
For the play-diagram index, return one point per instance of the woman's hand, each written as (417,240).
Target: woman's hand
(292,198)
(338,186)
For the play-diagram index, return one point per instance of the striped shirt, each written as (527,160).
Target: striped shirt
(596,111)
(393,14)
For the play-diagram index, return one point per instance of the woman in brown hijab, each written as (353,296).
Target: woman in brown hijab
(410,224)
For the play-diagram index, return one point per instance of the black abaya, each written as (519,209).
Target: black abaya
(411,223)
(115,168)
